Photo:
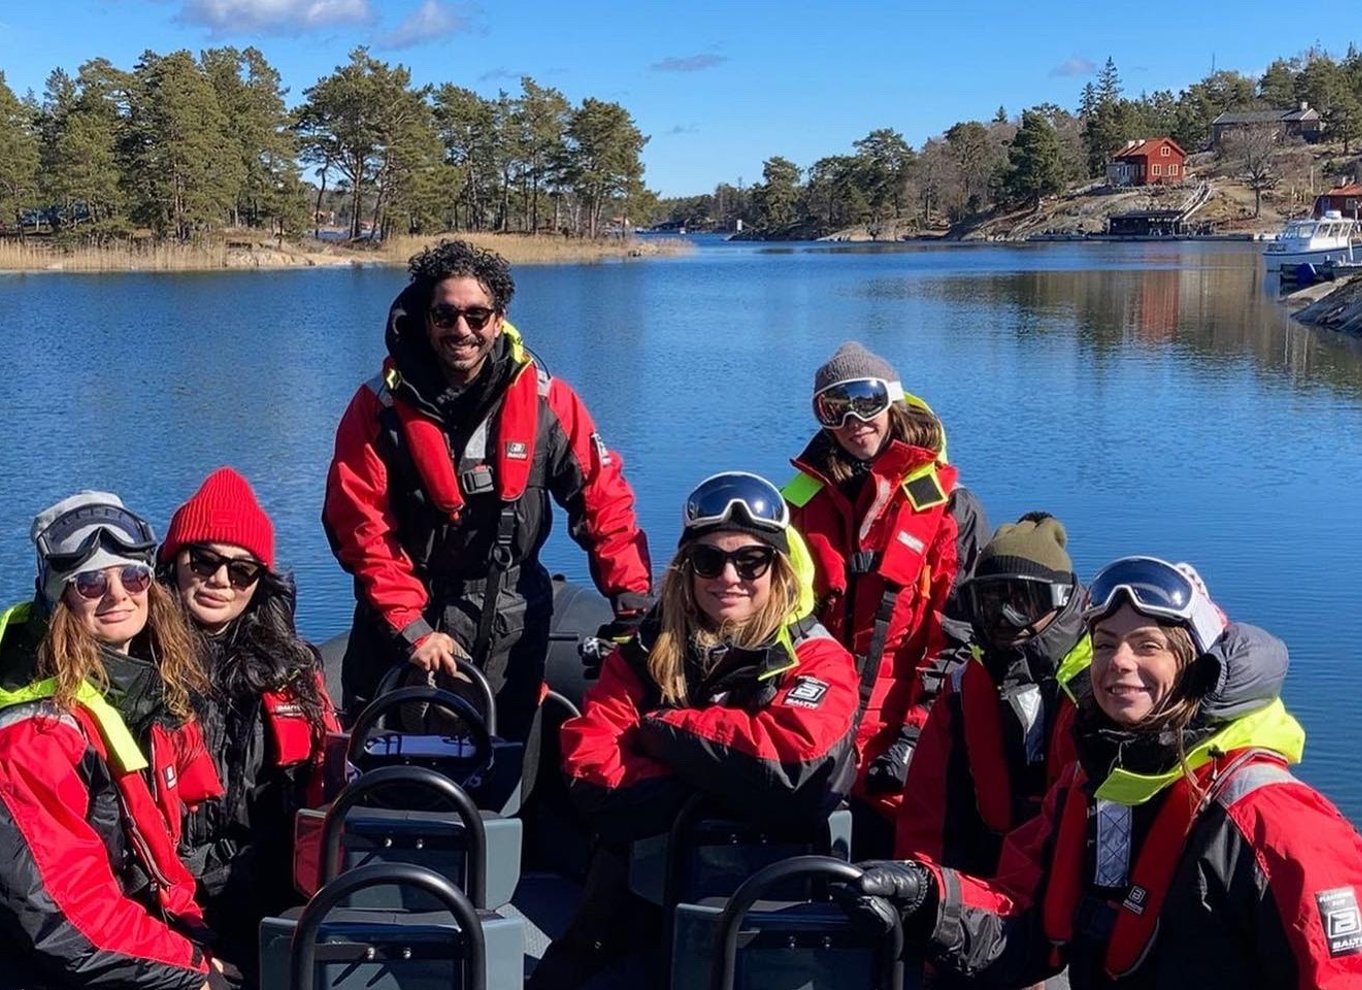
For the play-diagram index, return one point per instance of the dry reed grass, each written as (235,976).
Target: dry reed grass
(41,255)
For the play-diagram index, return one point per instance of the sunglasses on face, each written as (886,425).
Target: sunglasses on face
(750,562)
(242,572)
(94,585)
(446,317)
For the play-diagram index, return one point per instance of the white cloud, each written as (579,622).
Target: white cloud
(688,63)
(430,21)
(272,16)
(1076,66)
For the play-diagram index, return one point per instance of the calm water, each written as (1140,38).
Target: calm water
(1152,396)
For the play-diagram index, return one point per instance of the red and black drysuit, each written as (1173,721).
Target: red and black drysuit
(996,740)
(885,547)
(436,494)
(1255,885)
(266,737)
(768,736)
(92,893)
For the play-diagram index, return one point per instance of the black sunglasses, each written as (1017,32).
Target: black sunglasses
(750,562)
(446,317)
(242,572)
(94,585)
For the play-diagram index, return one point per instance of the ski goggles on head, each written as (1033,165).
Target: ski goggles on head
(864,398)
(1158,589)
(735,496)
(75,536)
(1012,601)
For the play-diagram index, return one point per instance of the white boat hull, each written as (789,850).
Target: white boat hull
(1277,260)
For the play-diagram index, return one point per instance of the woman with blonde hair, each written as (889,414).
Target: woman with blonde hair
(729,689)
(99,758)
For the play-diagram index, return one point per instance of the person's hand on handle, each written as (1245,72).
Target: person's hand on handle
(437,652)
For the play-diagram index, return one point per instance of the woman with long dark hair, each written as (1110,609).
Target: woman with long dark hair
(99,758)
(1179,850)
(265,714)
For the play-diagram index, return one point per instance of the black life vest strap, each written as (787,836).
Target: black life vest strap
(503,559)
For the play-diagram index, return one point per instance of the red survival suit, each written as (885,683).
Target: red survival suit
(1134,882)
(92,893)
(772,741)
(437,503)
(885,566)
(997,739)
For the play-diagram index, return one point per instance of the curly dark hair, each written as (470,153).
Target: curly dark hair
(459,259)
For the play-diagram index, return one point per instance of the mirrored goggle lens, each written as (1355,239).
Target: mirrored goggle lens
(750,562)
(717,498)
(1008,602)
(864,398)
(1153,585)
(135,579)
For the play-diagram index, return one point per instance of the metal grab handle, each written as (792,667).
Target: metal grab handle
(730,921)
(475,854)
(464,666)
(437,697)
(303,947)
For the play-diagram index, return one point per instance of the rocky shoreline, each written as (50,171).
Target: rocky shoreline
(1333,306)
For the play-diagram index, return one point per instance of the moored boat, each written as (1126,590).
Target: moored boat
(1327,240)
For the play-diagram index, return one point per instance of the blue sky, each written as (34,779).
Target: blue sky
(719,86)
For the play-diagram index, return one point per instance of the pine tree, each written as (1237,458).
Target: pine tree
(1035,161)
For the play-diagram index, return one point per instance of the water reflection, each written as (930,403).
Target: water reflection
(1154,396)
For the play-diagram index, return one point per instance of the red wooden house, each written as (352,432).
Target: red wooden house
(1347,200)
(1147,162)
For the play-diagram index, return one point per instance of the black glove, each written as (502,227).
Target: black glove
(905,883)
(901,885)
(631,609)
(888,772)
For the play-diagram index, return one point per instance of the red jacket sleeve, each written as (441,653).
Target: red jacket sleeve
(622,789)
(1311,858)
(361,526)
(922,816)
(57,880)
(587,480)
(793,757)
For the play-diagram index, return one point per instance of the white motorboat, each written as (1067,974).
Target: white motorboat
(1325,241)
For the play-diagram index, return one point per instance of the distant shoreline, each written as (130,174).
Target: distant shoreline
(36,255)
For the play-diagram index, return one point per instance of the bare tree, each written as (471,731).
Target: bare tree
(1257,155)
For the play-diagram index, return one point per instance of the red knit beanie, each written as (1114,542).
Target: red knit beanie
(223,510)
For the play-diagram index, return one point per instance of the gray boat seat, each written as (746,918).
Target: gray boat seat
(707,855)
(752,942)
(479,851)
(323,945)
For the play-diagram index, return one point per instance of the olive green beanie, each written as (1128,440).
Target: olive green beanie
(1031,547)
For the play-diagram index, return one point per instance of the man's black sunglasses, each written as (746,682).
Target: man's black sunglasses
(446,317)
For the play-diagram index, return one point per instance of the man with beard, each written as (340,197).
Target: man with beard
(998,735)
(437,500)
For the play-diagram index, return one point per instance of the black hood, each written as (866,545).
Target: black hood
(1037,658)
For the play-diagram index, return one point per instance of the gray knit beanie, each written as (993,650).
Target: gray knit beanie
(850,362)
(120,537)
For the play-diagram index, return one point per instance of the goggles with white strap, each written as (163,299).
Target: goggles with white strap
(1160,590)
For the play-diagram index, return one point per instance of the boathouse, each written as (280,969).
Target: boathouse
(1346,199)
(1146,223)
